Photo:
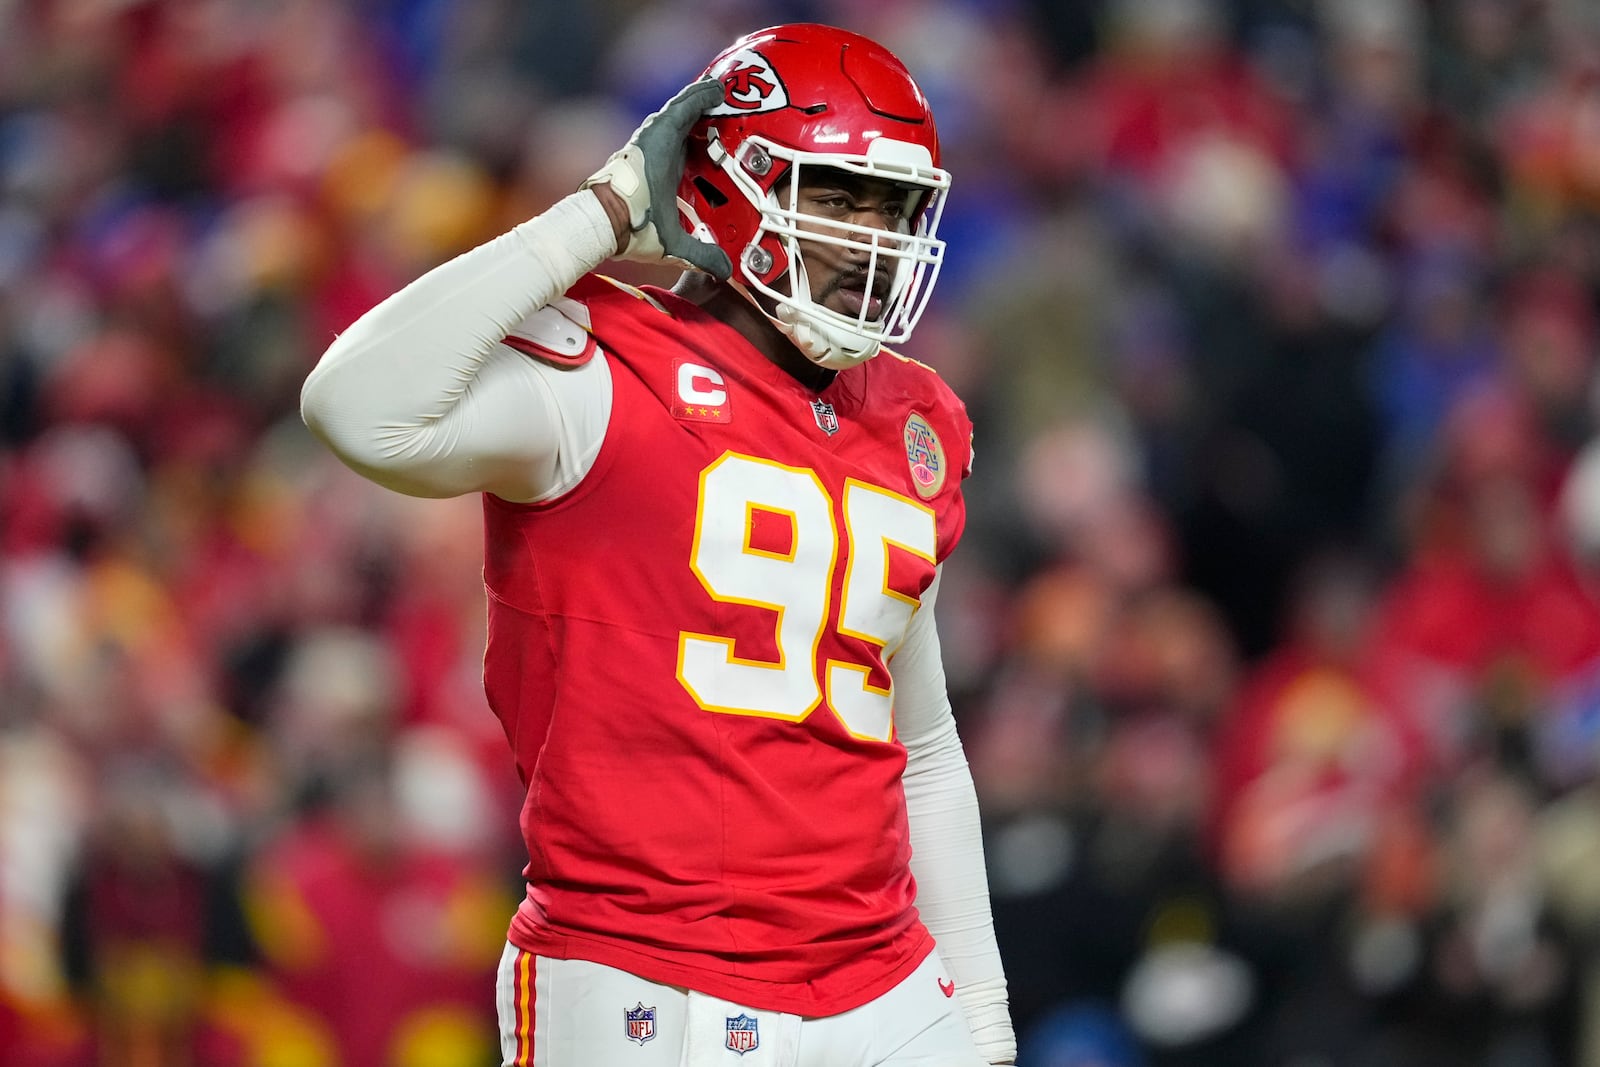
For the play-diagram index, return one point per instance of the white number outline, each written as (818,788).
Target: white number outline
(876,521)
(871,716)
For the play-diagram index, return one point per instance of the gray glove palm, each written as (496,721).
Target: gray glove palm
(645,173)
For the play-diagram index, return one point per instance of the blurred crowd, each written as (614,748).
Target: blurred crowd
(1274,639)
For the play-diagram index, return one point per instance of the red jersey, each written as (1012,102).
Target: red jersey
(687,652)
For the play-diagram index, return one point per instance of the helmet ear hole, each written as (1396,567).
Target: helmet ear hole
(714,196)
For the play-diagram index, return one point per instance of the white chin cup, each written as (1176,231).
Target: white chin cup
(822,344)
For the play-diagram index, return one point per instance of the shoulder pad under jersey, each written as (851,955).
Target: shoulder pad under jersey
(908,359)
(557,333)
(632,290)
(941,390)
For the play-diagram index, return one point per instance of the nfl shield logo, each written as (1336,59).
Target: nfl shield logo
(640,1022)
(827,418)
(742,1035)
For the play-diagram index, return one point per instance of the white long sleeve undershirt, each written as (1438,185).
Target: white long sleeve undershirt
(419,395)
(946,838)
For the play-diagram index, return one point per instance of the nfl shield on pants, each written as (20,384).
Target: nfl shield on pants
(574,1013)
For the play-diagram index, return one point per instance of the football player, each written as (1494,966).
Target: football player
(715,518)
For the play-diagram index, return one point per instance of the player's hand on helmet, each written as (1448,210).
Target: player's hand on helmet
(645,174)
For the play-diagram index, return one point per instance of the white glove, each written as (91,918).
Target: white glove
(646,171)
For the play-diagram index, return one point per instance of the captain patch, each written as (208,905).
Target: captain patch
(702,393)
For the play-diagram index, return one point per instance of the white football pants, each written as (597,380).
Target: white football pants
(572,1013)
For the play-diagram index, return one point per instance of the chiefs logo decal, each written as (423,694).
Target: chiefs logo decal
(749,85)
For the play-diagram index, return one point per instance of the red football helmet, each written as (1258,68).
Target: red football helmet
(815,96)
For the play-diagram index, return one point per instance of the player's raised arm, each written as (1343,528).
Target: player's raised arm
(421,396)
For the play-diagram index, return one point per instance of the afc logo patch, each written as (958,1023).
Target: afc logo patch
(925,455)
(700,394)
(639,1022)
(743,1035)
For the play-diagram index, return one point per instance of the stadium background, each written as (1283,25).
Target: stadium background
(1275,638)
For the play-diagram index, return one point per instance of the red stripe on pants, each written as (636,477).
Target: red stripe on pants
(523,1001)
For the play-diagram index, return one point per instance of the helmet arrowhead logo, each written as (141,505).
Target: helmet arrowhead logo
(746,87)
(749,85)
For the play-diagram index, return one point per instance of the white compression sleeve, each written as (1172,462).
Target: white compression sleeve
(946,840)
(420,396)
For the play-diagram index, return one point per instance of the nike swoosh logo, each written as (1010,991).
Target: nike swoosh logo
(949,989)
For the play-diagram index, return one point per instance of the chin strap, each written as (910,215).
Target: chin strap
(822,344)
